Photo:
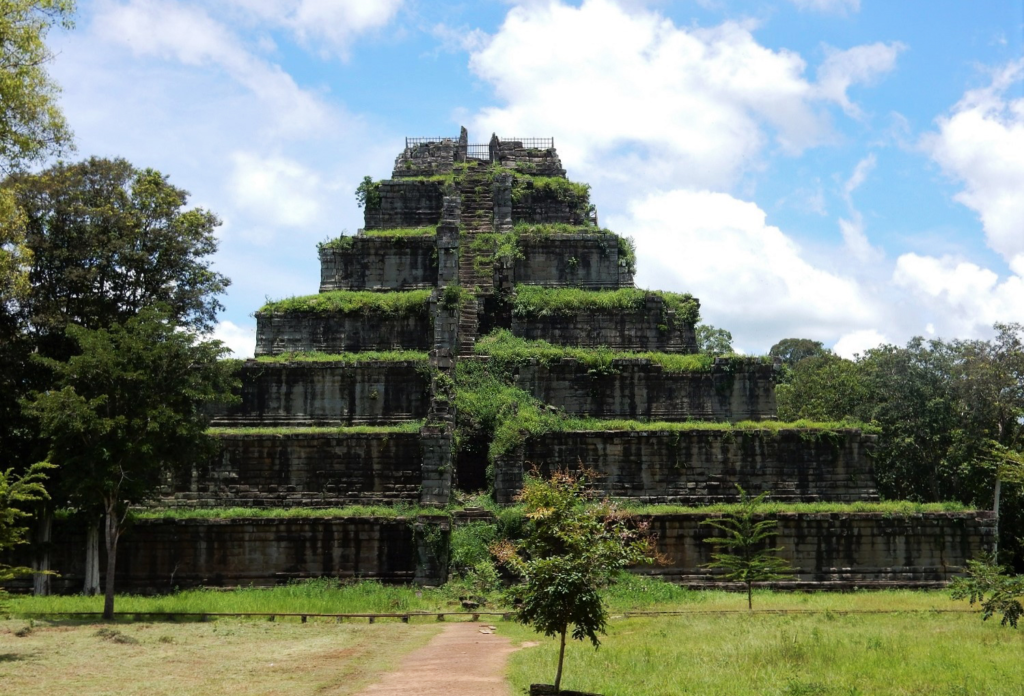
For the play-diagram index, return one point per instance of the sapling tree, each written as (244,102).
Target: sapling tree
(15,492)
(742,552)
(989,585)
(573,546)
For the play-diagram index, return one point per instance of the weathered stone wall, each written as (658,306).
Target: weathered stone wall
(333,332)
(303,469)
(426,159)
(569,260)
(157,556)
(539,206)
(380,263)
(406,204)
(735,390)
(329,393)
(841,549)
(534,161)
(652,328)
(698,467)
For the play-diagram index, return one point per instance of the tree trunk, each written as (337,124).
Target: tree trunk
(561,658)
(91,586)
(995,509)
(41,562)
(112,534)
(750,598)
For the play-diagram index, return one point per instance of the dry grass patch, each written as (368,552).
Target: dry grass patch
(238,657)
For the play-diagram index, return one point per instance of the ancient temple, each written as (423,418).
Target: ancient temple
(484,262)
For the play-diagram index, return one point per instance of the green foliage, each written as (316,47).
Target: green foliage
(988,585)
(368,194)
(713,341)
(16,492)
(32,125)
(410,427)
(354,302)
(575,195)
(547,229)
(349,358)
(346,242)
(452,296)
(824,387)
(793,350)
(742,552)
(892,508)
(537,301)
(573,548)
(398,510)
(126,410)
(508,351)
(108,240)
(627,252)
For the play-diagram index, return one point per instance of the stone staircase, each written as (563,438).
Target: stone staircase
(476,217)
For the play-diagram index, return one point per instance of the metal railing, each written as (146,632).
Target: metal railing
(531,143)
(410,142)
(478,152)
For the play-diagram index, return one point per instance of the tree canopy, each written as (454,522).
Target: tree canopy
(128,409)
(31,122)
(945,409)
(108,240)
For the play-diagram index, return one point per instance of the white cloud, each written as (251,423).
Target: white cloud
(981,144)
(968,298)
(170,31)
(852,228)
(750,277)
(857,342)
(857,65)
(334,23)
(832,6)
(240,339)
(277,190)
(627,94)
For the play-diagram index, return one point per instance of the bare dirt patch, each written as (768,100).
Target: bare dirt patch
(244,658)
(465,659)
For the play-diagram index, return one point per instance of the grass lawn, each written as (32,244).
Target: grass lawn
(784,655)
(227,656)
(914,648)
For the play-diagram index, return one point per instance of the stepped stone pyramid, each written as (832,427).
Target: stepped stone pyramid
(352,399)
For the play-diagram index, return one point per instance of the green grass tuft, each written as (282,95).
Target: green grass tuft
(354,302)
(348,358)
(533,301)
(410,427)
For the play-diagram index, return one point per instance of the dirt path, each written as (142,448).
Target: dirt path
(459,661)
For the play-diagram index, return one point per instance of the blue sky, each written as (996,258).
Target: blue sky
(845,170)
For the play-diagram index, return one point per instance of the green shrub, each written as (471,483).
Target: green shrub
(354,302)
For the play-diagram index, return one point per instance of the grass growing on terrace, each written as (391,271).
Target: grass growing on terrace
(410,427)
(348,358)
(354,302)
(532,301)
(507,350)
(296,513)
(896,508)
(345,242)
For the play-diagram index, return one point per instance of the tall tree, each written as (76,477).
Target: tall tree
(128,409)
(712,340)
(793,350)
(31,123)
(109,239)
